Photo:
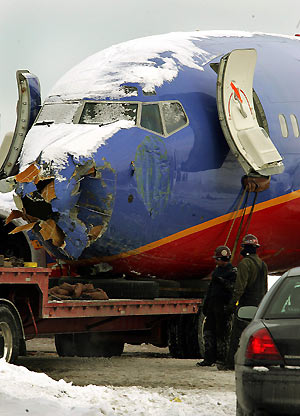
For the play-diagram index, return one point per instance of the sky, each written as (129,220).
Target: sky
(50,37)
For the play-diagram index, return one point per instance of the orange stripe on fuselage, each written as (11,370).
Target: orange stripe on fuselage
(208,224)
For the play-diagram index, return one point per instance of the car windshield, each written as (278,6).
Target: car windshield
(285,302)
(107,113)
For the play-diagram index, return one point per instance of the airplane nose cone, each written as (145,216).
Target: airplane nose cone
(69,211)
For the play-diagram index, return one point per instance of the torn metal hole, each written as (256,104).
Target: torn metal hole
(36,206)
(49,230)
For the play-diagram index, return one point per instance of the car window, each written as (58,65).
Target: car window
(173,115)
(285,302)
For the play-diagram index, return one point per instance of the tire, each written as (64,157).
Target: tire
(98,344)
(65,346)
(194,288)
(127,289)
(167,288)
(119,288)
(239,411)
(193,349)
(175,339)
(9,335)
(183,340)
(201,323)
(72,280)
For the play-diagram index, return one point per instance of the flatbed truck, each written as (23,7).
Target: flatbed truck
(85,327)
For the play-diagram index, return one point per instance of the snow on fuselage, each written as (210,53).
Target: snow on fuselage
(141,176)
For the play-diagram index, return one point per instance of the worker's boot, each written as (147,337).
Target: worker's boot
(223,366)
(205,363)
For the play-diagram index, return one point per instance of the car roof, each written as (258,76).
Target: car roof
(293,272)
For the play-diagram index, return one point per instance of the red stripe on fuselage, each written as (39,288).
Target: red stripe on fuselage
(188,253)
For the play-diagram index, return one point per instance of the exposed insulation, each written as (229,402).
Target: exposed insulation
(50,231)
(25,227)
(48,192)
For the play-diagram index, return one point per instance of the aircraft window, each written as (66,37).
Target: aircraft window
(295,125)
(283,125)
(150,118)
(174,116)
(107,113)
(57,113)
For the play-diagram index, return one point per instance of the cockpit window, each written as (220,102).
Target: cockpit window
(163,117)
(57,113)
(107,113)
(173,115)
(150,118)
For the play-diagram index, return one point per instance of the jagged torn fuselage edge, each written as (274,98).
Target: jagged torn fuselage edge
(124,182)
(84,185)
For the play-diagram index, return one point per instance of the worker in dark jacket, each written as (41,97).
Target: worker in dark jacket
(216,327)
(252,273)
(249,289)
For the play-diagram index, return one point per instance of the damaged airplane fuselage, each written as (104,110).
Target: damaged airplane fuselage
(129,162)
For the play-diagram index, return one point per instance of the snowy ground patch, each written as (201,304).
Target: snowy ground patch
(23,392)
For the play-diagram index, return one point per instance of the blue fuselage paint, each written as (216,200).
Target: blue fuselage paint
(35,97)
(191,176)
(204,179)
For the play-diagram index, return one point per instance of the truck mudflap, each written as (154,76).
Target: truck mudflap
(28,106)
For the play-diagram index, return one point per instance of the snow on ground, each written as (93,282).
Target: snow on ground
(23,392)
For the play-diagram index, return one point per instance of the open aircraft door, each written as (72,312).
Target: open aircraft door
(249,142)
(28,106)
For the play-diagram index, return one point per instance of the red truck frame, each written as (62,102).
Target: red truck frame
(92,327)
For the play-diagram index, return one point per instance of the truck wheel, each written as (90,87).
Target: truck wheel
(175,338)
(127,289)
(193,348)
(239,411)
(98,344)
(167,288)
(201,323)
(193,288)
(119,288)
(65,346)
(9,335)
(183,339)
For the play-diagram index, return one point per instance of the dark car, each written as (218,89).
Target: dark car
(267,363)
